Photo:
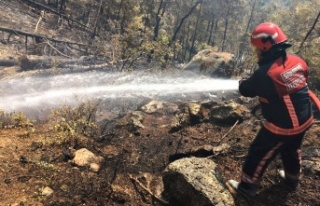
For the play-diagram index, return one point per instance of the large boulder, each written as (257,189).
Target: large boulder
(215,64)
(195,182)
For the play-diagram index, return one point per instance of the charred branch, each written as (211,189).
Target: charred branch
(36,36)
(48,9)
(46,62)
(309,32)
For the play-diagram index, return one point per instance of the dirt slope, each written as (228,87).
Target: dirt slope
(32,162)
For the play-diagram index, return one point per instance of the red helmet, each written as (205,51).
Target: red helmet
(266,35)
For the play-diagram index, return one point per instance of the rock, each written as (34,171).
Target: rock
(47,191)
(195,182)
(155,106)
(132,120)
(228,113)
(94,167)
(152,106)
(194,108)
(312,165)
(189,114)
(221,149)
(84,157)
(181,119)
(215,64)
(205,109)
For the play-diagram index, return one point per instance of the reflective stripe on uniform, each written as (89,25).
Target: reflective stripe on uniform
(288,131)
(262,163)
(291,111)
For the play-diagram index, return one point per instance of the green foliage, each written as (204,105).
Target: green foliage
(72,121)
(204,45)
(311,53)
(14,120)
(142,30)
(158,49)
(20,120)
(6,119)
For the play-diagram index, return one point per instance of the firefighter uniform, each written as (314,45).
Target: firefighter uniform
(280,82)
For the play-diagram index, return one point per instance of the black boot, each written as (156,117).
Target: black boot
(292,183)
(246,189)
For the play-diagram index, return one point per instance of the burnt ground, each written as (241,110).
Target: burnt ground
(31,161)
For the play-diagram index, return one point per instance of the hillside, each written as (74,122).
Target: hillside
(36,154)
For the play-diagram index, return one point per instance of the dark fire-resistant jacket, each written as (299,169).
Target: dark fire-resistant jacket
(280,82)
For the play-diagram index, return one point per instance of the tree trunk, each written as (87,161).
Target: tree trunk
(175,34)
(120,9)
(159,16)
(309,32)
(94,30)
(242,46)
(225,30)
(194,37)
(210,31)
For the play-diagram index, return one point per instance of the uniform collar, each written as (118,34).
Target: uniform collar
(271,56)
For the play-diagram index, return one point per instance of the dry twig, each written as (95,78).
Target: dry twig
(148,190)
(228,131)
(54,48)
(38,23)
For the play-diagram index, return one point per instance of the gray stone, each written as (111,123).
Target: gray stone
(132,120)
(155,106)
(228,113)
(312,165)
(195,182)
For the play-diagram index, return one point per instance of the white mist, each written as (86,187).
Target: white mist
(38,92)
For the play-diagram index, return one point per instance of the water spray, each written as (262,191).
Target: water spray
(46,92)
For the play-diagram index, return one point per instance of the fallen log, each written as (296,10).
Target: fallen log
(37,36)
(8,62)
(46,62)
(90,67)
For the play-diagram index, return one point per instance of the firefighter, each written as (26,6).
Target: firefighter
(280,83)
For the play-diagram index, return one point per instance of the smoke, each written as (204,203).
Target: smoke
(43,92)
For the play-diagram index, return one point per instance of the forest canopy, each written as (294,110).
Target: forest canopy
(166,31)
